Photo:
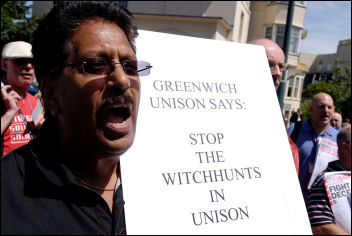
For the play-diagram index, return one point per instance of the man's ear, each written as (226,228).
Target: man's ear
(47,87)
(4,64)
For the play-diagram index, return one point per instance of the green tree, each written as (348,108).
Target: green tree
(342,79)
(16,22)
(339,88)
(305,104)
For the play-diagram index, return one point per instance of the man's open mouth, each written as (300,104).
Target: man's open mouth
(115,116)
(118,115)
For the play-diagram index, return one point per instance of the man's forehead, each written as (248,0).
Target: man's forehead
(324,102)
(103,37)
(275,54)
(337,115)
(322,98)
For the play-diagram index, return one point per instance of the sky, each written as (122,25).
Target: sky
(327,23)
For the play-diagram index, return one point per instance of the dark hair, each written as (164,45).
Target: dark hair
(51,44)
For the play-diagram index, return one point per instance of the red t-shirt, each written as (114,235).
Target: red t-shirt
(17,135)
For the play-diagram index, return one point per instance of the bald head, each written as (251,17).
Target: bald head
(321,111)
(336,120)
(276,58)
(267,43)
(318,98)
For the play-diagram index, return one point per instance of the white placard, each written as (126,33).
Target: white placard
(38,110)
(211,153)
(326,153)
(338,188)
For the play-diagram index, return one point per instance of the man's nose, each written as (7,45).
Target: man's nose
(326,109)
(28,65)
(118,78)
(275,70)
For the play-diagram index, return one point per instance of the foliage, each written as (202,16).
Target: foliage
(342,76)
(15,22)
(339,88)
(305,104)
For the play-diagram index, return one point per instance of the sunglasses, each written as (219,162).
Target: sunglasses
(22,61)
(100,66)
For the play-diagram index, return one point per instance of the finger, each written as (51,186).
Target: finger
(15,96)
(4,90)
(7,88)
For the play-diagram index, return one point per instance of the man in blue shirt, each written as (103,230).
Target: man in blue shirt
(313,129)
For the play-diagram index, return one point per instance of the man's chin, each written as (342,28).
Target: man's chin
(325,121)
(277,83)
(115,147)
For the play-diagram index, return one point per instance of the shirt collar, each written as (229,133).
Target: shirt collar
(308,128)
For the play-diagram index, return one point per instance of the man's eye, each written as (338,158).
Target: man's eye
(130,67)
(94,66)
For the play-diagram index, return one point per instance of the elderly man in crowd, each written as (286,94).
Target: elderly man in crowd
(17,125)
(67,181)
(276,60)
(336,120)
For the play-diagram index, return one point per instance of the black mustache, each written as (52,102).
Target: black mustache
(120,99)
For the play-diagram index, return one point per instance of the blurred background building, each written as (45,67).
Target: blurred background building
(241,22)
(321,67)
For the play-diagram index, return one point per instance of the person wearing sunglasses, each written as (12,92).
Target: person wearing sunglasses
(67,181)
(17,125)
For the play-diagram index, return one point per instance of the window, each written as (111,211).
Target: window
(290,86)
(269,33)
(294,40)
(323,78)
(329,67)
(314,76)
(302,3)
(280,34)
(296,88)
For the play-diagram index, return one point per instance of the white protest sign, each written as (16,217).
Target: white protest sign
(38,110)
(327,152)
(338,188)
(211,153)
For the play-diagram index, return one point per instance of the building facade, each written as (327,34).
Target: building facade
(220,20)
(236,21)
(268,20)
(322,66)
